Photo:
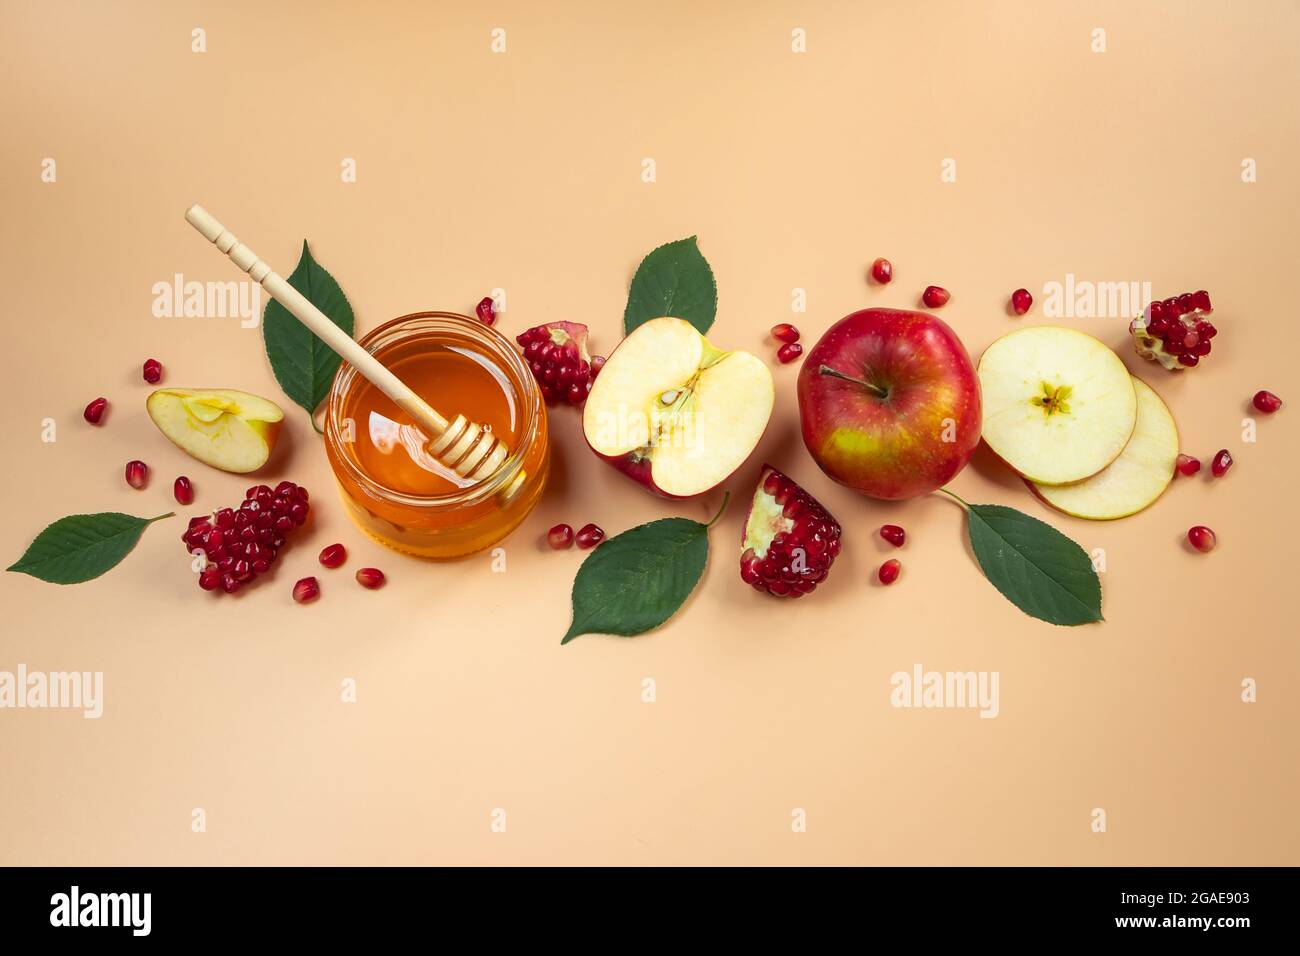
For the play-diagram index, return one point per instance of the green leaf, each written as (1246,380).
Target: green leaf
(81,547)
(303,364)
(636,580)
(1036,568)
(676,280)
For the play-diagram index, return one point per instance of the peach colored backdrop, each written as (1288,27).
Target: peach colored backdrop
(522,170)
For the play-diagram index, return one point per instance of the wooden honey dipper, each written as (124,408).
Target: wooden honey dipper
(467,448)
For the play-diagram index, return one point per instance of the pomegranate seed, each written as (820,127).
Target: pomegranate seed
(370,578)
(1187,466)
(893,534)
(597,363)
(935,296)
(882,270)
(1021,300)
(1201,300)
(486,310)
(560,537)
(589,535)
(306,590)
(789,352)
(183,489)
(1266,402)
(95,410)
(137,474)
(785,332)
(1202,538)
(888,572)
(1220,464)
(209,578)
(333,555)
(153,371)
(1156,313)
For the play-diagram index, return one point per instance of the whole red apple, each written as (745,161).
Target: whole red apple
(890,403)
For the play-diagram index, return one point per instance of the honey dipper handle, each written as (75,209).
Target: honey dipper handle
(325,330)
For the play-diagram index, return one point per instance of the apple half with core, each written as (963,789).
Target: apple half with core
(1133,480)
(889,403)
(674,413)
(1059,405)
(230,430)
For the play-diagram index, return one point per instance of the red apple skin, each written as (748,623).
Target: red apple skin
(890,447)
(639,470)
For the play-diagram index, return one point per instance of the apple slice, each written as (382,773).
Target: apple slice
(674,413)
(230,430)
(1059,405)
(1133,480)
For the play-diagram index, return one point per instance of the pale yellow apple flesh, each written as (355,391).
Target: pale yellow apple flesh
(230,430)
(1133,480)
(1059,405)
(669,398)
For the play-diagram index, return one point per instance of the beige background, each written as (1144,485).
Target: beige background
(522,170)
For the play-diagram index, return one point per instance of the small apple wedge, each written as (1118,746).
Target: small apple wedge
(230,430)
(674,413)
(1059,405)
(1133,480)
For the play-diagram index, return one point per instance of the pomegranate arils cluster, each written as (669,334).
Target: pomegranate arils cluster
(1175,332)
(557,354)
(790,539)
(239,544)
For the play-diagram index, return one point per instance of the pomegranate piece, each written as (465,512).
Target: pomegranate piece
(333,555)
(790,539)
(370,578)
(486,310)
(306,590)
(137,474)
(935,297)
(889,571)
(893,534)
(1220,463)
(183,491)
(1175,332)
(94,412)
(557,354)
(1202,538)
(241,544)
(1021,301)
(589,535)
(1265,401)
(785,332)
(882,270)
(1187,466)
(789,352)
(560,537)
(153,371)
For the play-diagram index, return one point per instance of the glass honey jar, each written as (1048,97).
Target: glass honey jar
(398,492)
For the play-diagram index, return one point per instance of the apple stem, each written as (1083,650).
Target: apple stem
(875,390)
(726,498)
(954,497)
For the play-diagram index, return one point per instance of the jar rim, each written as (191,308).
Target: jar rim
(395,330)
